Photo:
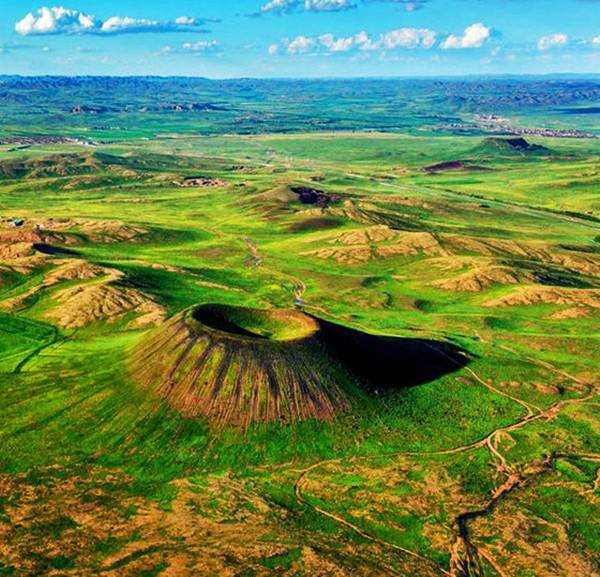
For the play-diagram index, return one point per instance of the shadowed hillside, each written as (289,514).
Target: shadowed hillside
(511,146)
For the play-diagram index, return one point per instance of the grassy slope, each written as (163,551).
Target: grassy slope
(73,403)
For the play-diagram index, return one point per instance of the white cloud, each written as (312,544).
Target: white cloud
(547,42)
(300,45)
(473,37)
(279,6)
(200,46)
(333,44)
(327,5)
(336,45)
(59,20)
(407,38)
(283,6)
(55,20)
(392,40)
(596,40)
(186,21)
(308,5)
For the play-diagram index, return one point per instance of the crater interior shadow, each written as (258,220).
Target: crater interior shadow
(386,363)
(216,319)
(48,249)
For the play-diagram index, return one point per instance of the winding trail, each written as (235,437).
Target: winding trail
(36,352)
(465,555)
(300,499)
(256,260)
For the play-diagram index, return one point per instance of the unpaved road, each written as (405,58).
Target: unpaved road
(465,555)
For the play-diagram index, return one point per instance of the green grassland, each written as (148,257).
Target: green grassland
(499,257)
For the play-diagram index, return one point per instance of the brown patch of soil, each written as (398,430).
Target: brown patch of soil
(521,542)
(372,234)
(17,251)
(495,247)
(84,304)
(68,270)
(110,230)
(344,255)
(412,243)
(101,231)
(581,263)
(91,524)
(577,312)
(378,242)
(18,248)
(534,295)
(201,181)
(479,279)
(74,270)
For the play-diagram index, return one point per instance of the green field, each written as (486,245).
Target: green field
(495,255)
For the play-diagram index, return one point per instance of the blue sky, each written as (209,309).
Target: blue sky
(300,38)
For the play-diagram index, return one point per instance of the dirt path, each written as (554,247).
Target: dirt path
(36,352)
(300,499)
(254,259)
(465,555)
(468,564)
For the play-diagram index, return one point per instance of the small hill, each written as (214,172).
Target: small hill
(93,162)
(25,249)
(287,198)
(236,366)
(454,165)
(539,295)
(58,165)
(514,145)
(365,244)
(480,278)
(109,301)
(445,166)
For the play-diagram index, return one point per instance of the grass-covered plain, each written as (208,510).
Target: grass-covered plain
(490,469)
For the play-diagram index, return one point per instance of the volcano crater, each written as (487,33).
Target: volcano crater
(238,365)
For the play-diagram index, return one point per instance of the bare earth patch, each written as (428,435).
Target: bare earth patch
(535,295)
(479,279)
(84,304)
(91,524)
(377,242)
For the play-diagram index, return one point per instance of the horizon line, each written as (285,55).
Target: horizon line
(312,78)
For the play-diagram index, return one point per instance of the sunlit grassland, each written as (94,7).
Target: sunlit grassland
(69,398)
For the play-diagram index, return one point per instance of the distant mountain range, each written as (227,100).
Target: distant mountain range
(99,108)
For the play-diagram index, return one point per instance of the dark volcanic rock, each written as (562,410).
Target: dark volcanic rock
(442,166)
(517,144)
(454,165)
(308,195)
